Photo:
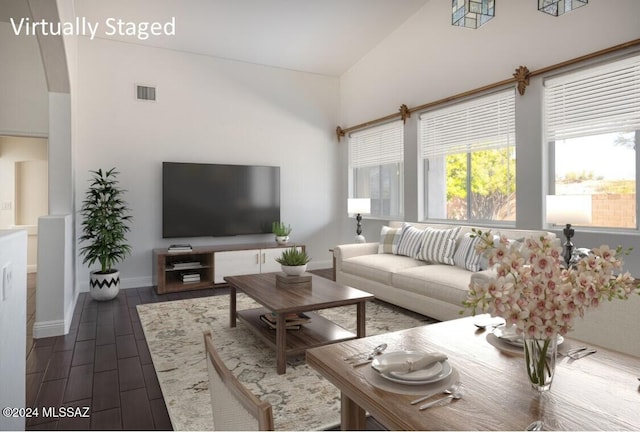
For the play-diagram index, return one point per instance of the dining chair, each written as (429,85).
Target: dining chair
(234,406)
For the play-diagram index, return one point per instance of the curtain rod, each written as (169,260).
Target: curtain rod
(520,76)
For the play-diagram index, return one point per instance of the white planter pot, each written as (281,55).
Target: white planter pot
(282,239)
(104,286)
(294,270)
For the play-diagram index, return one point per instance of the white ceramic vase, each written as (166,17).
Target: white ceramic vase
(104,286)
(282,239)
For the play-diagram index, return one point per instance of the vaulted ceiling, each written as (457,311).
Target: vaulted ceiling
(318,36)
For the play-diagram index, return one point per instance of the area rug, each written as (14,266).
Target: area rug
(301,398)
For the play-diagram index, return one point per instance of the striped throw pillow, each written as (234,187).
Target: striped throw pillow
(438,246)
(466,256)
(410,241)
(389,240)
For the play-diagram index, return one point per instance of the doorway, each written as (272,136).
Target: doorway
(24,197)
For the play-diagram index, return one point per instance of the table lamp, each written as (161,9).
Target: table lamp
(359,206)
(568,209)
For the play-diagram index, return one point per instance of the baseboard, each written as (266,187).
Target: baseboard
(53,328)
(317,265)
(46,329)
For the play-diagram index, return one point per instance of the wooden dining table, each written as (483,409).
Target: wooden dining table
(597,392)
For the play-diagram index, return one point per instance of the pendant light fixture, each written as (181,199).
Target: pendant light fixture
(472,13)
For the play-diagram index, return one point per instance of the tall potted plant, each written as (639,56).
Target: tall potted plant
(104,225)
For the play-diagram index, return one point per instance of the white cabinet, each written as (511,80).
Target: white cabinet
(269,263)
(233,263)
(240,262)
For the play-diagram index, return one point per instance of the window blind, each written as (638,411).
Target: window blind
(379,145)
(484,123)
(599,100)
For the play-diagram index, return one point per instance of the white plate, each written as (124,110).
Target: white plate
(435,373)
(510,337)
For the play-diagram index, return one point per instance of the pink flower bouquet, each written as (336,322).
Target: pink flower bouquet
(535,292)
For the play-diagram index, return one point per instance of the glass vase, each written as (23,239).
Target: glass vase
(540,361)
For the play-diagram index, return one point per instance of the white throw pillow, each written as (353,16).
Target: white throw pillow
(438,245)
(410,241)
(389,240)
(466,256)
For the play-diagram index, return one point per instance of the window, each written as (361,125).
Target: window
(468,157)
(592,121)
(376,168)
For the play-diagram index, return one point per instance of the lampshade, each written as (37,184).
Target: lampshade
(472,13)
(558,7)
(359,205)
(569,209)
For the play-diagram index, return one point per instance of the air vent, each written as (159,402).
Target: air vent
(145,93)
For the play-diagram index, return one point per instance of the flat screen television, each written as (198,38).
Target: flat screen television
(200,200)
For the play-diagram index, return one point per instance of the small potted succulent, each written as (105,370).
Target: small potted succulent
(104,227)
(293,261)
(281,232)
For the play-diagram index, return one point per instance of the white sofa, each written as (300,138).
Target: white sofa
(432,289)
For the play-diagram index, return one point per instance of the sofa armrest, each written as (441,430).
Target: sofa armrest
(345,251)
(484,276)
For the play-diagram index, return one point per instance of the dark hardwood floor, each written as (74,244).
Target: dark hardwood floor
(103,363)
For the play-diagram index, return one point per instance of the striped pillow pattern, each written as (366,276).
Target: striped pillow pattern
(466,256)
(410,241)
(438,246)
(389,240)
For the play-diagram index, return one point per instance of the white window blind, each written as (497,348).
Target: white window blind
(484,123)
(379,145)
(596,101)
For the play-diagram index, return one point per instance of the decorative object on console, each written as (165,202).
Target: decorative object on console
(568,209)
(281,232)
(179,248)
(559,7)
(104,225)
(472,13)
(532,277)
(359,206)
(293,261)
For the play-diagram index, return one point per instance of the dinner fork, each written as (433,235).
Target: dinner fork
(449,390)
(455,396)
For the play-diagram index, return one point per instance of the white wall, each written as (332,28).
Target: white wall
(427,59)
(56,298)
(207,110)
(13,322)
(23,89)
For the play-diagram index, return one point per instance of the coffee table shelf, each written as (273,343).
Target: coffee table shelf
(318,332)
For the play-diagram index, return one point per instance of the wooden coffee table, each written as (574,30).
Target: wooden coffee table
(323,294)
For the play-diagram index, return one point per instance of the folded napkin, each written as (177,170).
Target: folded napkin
(411,364)
(509,333)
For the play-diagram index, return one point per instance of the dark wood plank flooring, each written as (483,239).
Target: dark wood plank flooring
(103,363)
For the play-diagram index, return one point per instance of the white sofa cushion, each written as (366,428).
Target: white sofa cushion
(378,267)
(439,281)
(438,245)
(410,241)
(389,240)
(466,256)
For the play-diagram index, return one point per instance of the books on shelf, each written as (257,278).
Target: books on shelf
(190,277)
(293,320)
(185,265)
(180,248)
